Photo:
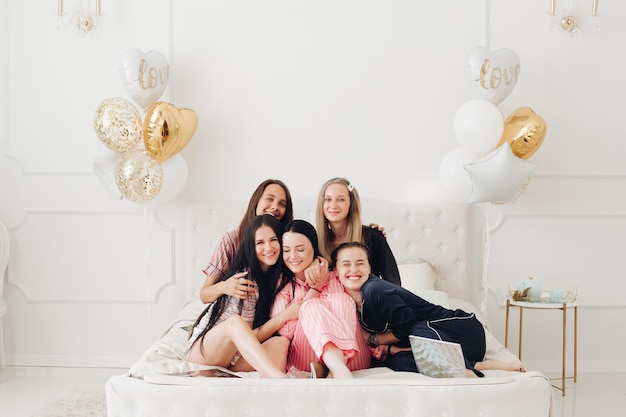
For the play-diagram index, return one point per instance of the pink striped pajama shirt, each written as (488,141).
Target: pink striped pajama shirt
(329,318)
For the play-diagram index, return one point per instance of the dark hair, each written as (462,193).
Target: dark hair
(254,202)
(308,230)
(245,259)
(347,245)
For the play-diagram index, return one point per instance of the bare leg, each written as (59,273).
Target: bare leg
(470,374)
(222,342)
(494,364)
(334,360)
(251,349)
(277,347)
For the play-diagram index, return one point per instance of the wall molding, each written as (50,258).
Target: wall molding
(502,218)
(579,175)
(153,288)
(4,75)
(72,361)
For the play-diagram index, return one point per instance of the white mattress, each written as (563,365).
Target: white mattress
(379,394)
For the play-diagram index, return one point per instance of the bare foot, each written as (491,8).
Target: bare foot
(470,374)
(494,364)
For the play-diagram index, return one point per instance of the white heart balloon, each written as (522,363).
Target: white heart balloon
(144,75)
(493,74)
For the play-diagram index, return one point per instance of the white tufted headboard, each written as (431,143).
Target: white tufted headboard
(446,232)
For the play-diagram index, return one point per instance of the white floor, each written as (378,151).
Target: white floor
(25,391)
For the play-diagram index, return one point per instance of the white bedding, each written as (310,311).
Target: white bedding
(443,233)
(166,355)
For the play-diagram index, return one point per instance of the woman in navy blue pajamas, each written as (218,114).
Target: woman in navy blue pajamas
(389,313)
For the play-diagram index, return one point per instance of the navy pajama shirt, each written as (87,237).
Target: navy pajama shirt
(390,307)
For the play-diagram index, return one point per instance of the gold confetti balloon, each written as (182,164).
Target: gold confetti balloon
(139,177)
(118,124)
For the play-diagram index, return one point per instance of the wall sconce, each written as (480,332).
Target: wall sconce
(84,22)
(571,20)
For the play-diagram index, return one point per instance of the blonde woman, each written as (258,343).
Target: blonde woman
(338,220)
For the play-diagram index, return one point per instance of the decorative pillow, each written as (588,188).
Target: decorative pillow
(421,273)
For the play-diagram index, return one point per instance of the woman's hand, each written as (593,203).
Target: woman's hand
(239,286)
(380,228)
(292,311)
(316,274)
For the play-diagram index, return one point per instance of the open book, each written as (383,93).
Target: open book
(190,377)
(438,359)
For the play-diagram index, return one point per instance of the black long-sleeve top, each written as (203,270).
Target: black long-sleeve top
(383,262)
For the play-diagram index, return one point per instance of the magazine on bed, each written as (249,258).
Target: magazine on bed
(191,377)
(437,358)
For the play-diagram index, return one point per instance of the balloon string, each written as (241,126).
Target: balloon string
(148,285)
(486,23)
(485,266)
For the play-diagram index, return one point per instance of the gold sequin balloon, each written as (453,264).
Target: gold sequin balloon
(139,177)
(118,124)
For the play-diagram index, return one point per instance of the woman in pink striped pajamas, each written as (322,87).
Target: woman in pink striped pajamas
(327,328)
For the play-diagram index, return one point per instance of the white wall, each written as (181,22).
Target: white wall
(301,91)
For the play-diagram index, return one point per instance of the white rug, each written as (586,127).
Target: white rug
(78,403)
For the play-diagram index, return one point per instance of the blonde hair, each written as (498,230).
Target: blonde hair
(354,229)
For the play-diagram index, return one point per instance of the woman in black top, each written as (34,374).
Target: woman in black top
(389,313)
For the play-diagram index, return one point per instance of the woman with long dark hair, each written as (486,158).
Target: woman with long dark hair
(235,331)
(270,197)
(326,331)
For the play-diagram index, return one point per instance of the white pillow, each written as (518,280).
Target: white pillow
(433,296)
(418,274)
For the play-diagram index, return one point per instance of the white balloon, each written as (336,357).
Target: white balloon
(104,168)
(175,175)
(454,178)
(478,126)
(498,177)
(144,75)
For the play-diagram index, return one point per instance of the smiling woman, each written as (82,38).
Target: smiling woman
(391,315)
(326,329)
(270,197)
(338,219)
(235,331)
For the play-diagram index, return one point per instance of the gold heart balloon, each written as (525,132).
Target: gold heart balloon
(168,129)
(524,130)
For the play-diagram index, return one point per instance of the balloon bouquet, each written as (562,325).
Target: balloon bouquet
(491,165)
(157,172)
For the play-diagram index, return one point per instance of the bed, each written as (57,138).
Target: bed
(436,245)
